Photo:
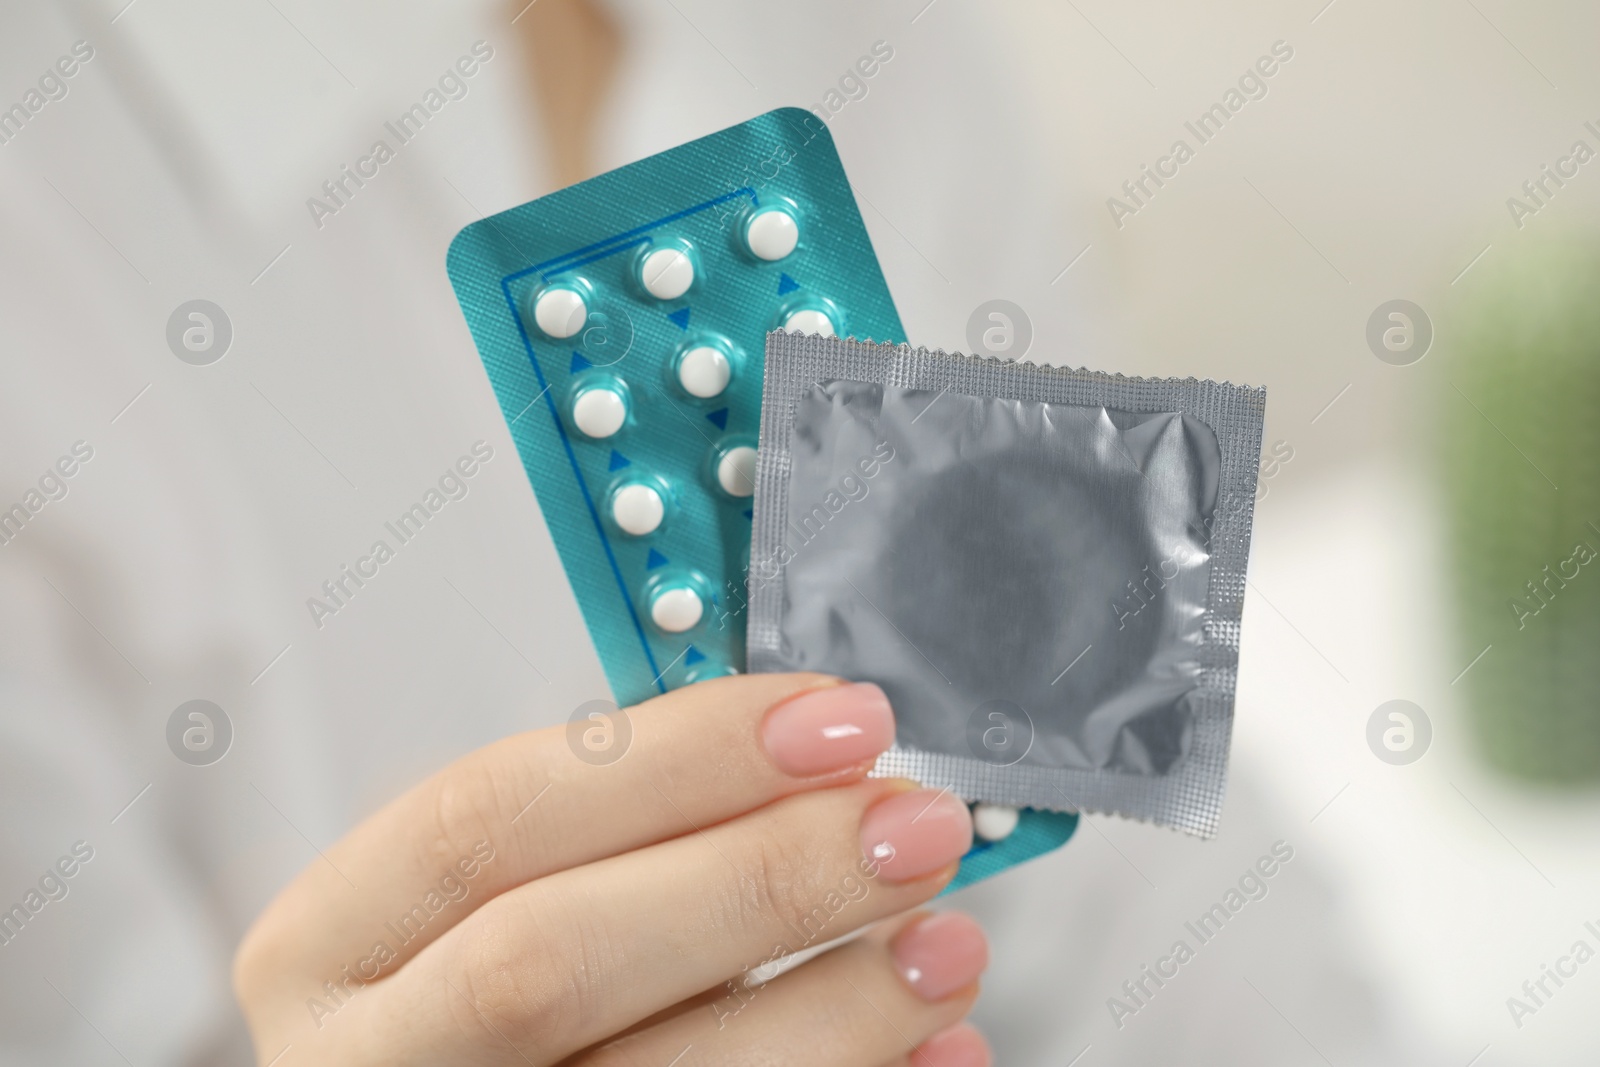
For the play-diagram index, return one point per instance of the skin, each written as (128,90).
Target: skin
(616,903)
(575,49)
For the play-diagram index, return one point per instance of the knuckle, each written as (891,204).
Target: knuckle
(534,985)
(466,807)
(779,875)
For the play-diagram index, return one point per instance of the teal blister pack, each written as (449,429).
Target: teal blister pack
(622,322)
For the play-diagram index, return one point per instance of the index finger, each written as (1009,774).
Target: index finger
(540,802)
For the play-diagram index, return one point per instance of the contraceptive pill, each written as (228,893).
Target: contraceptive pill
(704,372)
(676,609)
(560,312)
(638,509)
(667,273)
(772,234)
(599,412)
(994,822)
(809,320)
(736,471)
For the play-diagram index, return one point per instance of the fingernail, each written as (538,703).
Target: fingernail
(941,954)
(959,1046)
(828,729)
(917,833)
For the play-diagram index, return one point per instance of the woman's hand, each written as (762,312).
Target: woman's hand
(537,902)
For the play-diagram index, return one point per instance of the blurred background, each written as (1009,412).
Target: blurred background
(1394,235)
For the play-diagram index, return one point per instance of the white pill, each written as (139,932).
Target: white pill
(676,610)
(599,412)
(994,822)
(560,312)
(809,320)
(638,509)
(772,234)
(667,273)
(704,372)
(736,471)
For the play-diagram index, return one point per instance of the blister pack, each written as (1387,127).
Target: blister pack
(1044,568)
(622,323)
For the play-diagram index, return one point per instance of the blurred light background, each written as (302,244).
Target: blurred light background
(1417,497)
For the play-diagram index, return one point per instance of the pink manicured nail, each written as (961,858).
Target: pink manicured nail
(959,1046)
(828,729)
(941,954)
(913,834)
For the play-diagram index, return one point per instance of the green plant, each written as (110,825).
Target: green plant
(1522,473)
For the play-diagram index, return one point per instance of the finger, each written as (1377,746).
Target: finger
(878,998)
(959,1046)
(529,806)
(567,960)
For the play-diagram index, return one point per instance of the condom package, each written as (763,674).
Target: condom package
(621,321)
(1044,568)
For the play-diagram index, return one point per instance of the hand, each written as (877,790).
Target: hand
(526,906)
